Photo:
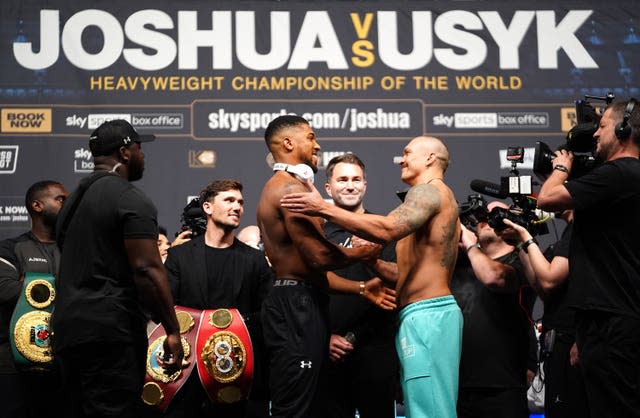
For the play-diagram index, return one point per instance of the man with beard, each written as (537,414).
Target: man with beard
(111,275)
(427,231)
(34,251)
(490,286)
(604,259)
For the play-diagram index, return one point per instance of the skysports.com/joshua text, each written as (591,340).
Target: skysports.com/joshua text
(351,119)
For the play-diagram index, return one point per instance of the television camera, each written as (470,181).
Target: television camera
(579,140)
(523,210)
(193,219)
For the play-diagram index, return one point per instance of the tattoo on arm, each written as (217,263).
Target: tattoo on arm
(420,204)
(450,243)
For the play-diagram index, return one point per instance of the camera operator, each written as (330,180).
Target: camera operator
(489,285)
(549,275)
(605,259)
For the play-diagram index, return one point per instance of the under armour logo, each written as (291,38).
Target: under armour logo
(305,364)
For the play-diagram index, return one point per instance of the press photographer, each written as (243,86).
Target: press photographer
(605,259)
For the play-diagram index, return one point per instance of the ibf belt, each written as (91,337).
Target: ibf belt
(224,355)
(160,387)
(30,333)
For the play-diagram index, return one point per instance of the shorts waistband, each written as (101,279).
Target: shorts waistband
(432,303)
(289,282)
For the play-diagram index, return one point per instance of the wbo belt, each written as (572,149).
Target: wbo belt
(223,354)
(30,332)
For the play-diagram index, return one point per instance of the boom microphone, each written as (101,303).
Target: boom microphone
(490,189)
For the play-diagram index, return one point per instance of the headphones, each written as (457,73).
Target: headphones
(623,129)
(301,171)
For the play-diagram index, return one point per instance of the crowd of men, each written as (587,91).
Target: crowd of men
(346,311)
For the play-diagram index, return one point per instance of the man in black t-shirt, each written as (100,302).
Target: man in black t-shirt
(110,276)
(364,369)
(491,289)
(216,270)
(605,259)
(34,251)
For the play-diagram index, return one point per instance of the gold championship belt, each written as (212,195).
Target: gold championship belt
(30,332)
(224,356)
(160,387)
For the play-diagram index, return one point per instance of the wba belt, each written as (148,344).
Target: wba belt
(29,331)
(223,353)
(159,387)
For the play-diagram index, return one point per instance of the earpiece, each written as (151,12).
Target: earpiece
(623,129)
(302,171)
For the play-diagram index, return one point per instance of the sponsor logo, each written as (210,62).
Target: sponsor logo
(14,213)
(523,120)
(498,120)
(202,159)
(97,119)
(475,120)
(26,120)
(568,118)
(443,120)
(305,364)
(8,159)
(75,121)
(158,120)
(82,161)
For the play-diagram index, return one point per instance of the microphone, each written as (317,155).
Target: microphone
(544,216)
(351,337)
(490,189)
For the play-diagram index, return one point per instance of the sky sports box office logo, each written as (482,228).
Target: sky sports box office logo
(493,120)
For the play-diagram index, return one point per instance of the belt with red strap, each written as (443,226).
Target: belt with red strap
(223,353)
(160,387)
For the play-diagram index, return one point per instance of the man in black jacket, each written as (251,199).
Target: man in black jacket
(216,270)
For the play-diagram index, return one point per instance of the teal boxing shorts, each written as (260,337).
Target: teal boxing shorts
(429,343)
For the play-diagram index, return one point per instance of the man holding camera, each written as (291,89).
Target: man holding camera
(489,286)
(605,259)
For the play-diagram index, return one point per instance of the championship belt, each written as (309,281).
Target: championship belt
(224,355)
(160,387)
(30,332)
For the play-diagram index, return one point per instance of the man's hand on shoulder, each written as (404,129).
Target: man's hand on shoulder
(308,203)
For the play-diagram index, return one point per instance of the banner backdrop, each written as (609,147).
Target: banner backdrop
(207,77)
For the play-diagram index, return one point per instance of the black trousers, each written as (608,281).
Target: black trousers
(564,391)
(609,347)
(296,336)
(103,379)
(492,403)
(367,380)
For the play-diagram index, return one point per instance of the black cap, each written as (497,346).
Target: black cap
(114,134)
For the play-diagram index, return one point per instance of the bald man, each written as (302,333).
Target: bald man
(427,229)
